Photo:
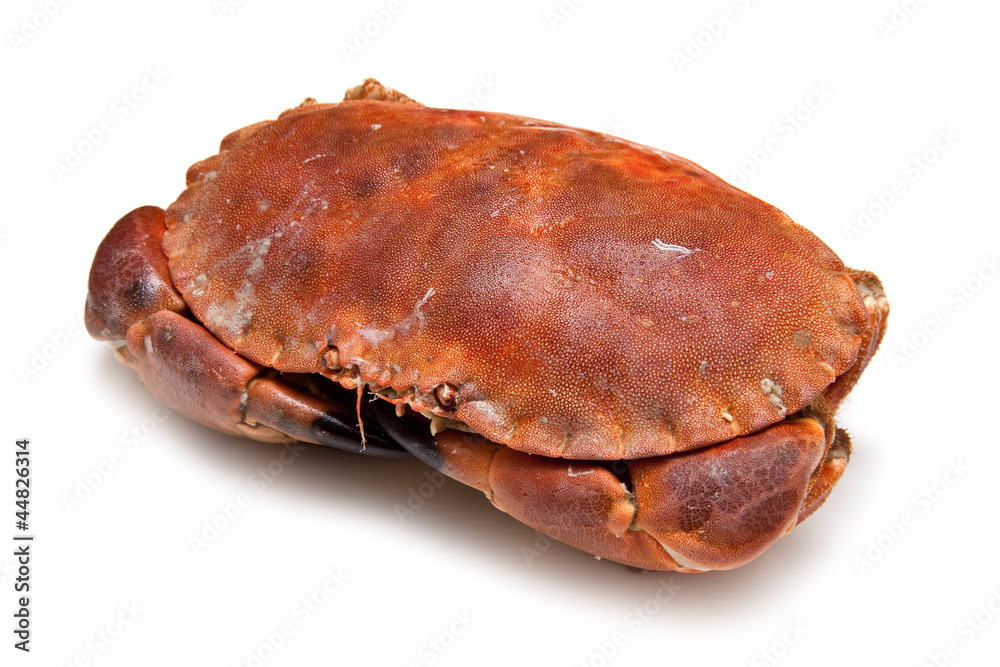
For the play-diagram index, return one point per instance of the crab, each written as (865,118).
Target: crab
(617,347)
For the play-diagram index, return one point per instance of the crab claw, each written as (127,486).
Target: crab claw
(717,508)
(133,305)
(129,279)
(710,509)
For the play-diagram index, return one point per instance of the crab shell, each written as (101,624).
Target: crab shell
(632,355)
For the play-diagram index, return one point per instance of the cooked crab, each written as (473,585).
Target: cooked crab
(616,346)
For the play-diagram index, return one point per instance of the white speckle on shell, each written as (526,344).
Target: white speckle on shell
(375,335)
(773,392)
(681,251)
(258,261)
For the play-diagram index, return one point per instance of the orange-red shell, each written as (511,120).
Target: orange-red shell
(585,296)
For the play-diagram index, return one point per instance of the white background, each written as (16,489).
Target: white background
(855,584)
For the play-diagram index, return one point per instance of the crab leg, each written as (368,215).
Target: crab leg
(133,305)
(713,508)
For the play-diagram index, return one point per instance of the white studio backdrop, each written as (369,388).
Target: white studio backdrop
(160,542)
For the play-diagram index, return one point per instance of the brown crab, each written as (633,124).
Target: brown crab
(619,348)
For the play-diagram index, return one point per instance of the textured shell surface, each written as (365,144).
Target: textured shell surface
(584,296)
